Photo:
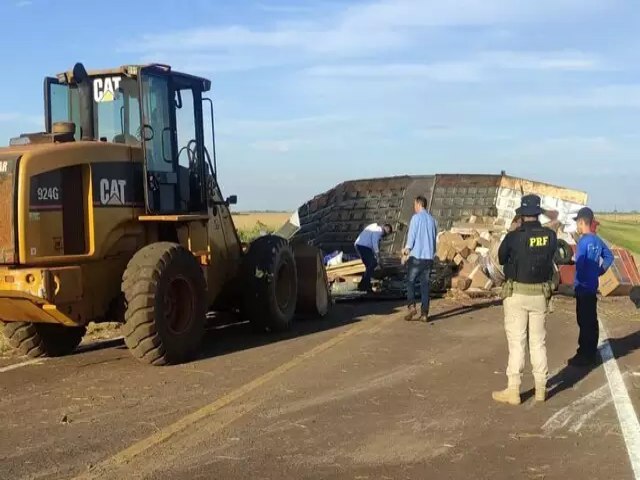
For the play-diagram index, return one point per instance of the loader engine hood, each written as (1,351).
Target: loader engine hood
(8,169)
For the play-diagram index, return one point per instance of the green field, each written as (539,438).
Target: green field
(622,233)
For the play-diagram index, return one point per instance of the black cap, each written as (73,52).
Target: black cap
(584,213)
(530,206)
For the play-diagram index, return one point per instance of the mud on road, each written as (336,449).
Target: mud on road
(361,394)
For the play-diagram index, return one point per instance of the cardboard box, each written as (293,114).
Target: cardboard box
(483,242)
(479,279)
(472,243)
(623,275)
(451,238)
(460,283)
(472,259)
(486,236)
(464,252)
(466,268)
(441,251)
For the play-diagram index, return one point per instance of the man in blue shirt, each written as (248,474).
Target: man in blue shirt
(593,258)
(368,248)
(420,248)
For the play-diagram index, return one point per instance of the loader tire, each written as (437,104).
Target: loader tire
(42,339)
(165,294)
(271,284)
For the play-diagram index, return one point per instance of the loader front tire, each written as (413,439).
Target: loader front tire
(42,339)
(165,294)
(271,284)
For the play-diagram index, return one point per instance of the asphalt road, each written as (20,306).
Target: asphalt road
(359,395)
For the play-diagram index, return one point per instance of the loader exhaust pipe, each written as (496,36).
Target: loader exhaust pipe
(85,95)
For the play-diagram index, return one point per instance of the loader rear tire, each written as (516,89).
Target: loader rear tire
(42,339)
(165,293)
(271,284)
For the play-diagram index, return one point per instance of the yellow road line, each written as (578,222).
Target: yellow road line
(167,432)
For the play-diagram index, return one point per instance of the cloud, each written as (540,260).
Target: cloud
(624,96)
(275,146)
(475,69)
(595,146)
(553,60)
(447,133)
(307,124)
(566,156)
(366,27)
(390,14)
(212,63)
(445,72)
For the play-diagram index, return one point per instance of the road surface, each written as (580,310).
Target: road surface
(359,395)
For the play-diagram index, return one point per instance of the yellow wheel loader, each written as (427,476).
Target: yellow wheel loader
(114,213)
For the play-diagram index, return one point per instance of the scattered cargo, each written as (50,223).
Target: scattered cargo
(473,213)
(622,277)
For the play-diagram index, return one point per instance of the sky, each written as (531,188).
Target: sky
(312,93)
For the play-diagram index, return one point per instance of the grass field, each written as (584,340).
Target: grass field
(251,224)
(624,233)
(619,217)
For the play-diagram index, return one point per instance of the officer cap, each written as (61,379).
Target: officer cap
(530,206)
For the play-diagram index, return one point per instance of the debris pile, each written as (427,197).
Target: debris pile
(471,247)
(348,271)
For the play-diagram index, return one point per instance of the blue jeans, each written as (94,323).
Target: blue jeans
(419,270)
(370,263)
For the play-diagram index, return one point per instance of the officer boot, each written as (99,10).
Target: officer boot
(411,313)
(510,395)
(541,392)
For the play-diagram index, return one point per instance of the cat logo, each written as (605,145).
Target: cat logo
(112,191)
(105,88)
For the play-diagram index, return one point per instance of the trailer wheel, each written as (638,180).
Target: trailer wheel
(165,293)
(42,339)
(564,253)
(271,284)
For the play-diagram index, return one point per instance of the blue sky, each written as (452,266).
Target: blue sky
(310,93)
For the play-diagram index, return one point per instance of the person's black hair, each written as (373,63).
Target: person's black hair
(422,201)
(387,226)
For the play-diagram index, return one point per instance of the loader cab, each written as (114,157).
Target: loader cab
(155,111)
(172,138)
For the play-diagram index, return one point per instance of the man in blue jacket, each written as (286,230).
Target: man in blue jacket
(593,258)
(420,248)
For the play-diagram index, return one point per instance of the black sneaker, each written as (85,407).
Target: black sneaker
(582,361)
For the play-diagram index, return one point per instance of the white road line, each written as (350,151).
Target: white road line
(573,415)
(581,420)
(624,408)
(35,361)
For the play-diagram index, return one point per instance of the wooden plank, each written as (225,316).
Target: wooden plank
(352,263)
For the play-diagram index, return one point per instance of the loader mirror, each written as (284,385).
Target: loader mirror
(232,200)
(146,132)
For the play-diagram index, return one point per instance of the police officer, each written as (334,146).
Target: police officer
(527,256)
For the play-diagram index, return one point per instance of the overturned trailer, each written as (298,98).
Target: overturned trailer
(333,219)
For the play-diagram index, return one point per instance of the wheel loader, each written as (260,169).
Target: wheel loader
(114,213)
